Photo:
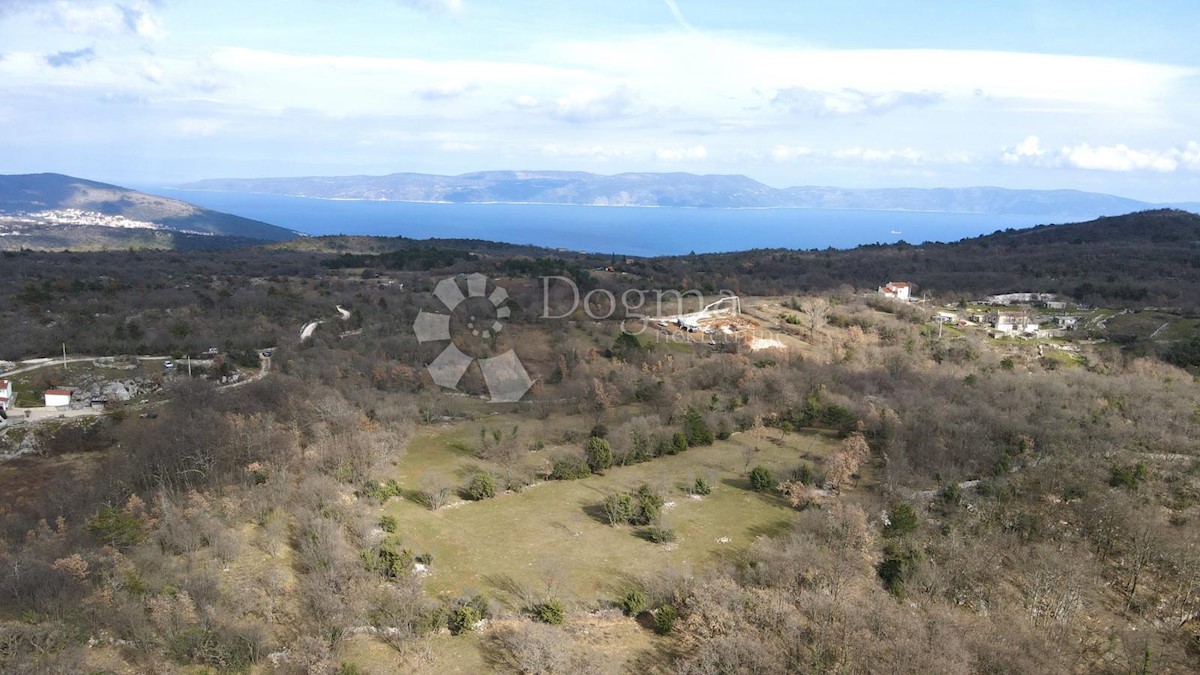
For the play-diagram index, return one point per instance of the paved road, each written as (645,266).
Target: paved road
(34,364)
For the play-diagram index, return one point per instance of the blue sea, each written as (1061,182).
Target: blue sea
(624,230)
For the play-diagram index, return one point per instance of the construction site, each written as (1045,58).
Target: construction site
(721,323)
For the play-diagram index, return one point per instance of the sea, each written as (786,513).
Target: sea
(639,231)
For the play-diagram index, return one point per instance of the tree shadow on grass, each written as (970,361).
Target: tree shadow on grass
(770,530)
(462,448)
(512,594)
(596,512)
(739,483)
(417,497)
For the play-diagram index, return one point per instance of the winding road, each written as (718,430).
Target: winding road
(307,331)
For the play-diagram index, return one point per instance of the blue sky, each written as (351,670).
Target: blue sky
(1100,96)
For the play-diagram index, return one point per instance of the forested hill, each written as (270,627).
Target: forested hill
(1150,258)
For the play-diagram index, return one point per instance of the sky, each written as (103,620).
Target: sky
(1100,96)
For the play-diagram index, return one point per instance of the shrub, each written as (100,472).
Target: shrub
(1126,476)
(379,492)
(551,612)
(388,559)
(117,528)
(664,619)
(761,479)
(389,524)
(679,443)
(649,505)
(466,613)
(951,494)
(696,430)
(897,567)
(570,468)
(482,486)
(701,486)
(633,603)
(599,430)
(599,454)
(619,508)
(660,534)
(901,521)
(462,619)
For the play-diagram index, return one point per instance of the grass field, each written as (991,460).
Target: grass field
(510,545)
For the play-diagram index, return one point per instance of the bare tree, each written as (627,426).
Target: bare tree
(816,315)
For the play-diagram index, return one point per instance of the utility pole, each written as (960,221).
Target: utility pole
(189,358)
(64,356)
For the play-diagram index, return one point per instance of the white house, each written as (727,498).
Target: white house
(899,290)
(945,317)
(1067,321)
(58,398)
(1013,322)
(6,395)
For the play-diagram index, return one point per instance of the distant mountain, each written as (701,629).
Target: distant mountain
(41,208)
(677,189)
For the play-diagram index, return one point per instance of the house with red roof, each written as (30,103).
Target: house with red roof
(898,290)
(58,398)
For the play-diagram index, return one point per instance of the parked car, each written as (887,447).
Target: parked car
(148,415)
(168,364)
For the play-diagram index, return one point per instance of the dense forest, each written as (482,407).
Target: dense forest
(1141,259)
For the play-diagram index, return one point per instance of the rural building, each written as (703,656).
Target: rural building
(945,317)
(1067,322)
(6,395)
(58,398)
(1013,322)
(899,290)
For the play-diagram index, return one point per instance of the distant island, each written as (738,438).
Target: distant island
(677,190)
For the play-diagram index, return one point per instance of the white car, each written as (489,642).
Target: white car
(168,364)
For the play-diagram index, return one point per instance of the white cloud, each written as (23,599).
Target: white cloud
(859,154)
(905,155)
(600,152)
(458,146)
(192,126)
(784,153)
(525,102)
(1119,157)
(445,90)
(802,101)
(1029,149)
(91,17)
(695,153)
(593,106)
(139,20)
(452,6)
